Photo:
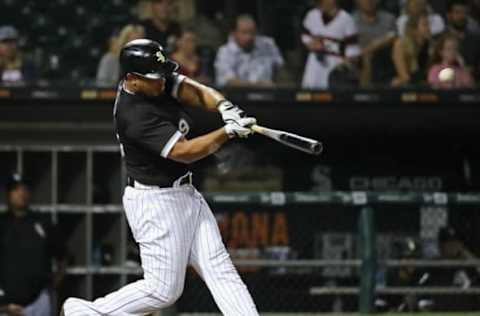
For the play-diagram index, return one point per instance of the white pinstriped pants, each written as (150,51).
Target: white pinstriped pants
(174,227)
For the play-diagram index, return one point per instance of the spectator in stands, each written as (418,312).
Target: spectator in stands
(208,20)
(247,59)
(14,68)
(452,248)
(108,70)
(376,34)
(411,52)
(187,57)
(446,55)
(331,36)
(211,31)
(457,25)
(416,8)
(28,244)
(160,27)
(474,18)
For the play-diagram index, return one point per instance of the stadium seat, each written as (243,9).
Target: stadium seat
(73,32)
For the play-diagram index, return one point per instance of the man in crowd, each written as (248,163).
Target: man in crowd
(28,244)
(474,17)
(160,27)
(247,59)
(331,37)
(13,67)
(457,24)
(376,33)
(451,247)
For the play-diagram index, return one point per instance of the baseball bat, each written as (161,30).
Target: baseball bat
(304,144)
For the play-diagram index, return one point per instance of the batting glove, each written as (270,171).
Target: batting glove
(240,128)
(230,112)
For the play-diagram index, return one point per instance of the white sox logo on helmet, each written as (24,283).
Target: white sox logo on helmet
(160,56)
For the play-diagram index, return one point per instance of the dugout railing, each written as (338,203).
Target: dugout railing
(64,184)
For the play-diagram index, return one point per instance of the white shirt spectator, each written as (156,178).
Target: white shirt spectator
(340,40)
(259,64)
(437,25)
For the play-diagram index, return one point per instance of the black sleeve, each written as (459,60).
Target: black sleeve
(154,131)
(55,239)
(172,84)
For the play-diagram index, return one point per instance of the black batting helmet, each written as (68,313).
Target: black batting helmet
(145,58)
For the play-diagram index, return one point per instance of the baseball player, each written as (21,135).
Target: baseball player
(169,218)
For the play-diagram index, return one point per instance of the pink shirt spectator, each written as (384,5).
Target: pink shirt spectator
(462,78)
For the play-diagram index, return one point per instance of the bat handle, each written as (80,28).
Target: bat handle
(257,128)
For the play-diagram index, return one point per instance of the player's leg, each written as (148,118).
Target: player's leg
(211,260)
(158,219)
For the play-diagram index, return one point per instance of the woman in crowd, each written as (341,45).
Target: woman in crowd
(411,52)
(416,8)
(109,68)
(14,68)
(186,55)
(447,60)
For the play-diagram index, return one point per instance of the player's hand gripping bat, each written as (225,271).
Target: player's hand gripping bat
(304,144)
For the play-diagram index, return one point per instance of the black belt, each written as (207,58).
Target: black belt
(183,180)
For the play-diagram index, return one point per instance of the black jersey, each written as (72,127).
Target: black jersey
(27,246)
(147,129)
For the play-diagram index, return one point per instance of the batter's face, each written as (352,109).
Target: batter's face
(149,87)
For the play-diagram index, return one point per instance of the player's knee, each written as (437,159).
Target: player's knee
(165,293)
(173,293)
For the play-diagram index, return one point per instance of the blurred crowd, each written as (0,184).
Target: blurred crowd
(357,43)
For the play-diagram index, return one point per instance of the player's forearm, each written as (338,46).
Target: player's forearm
(189,151)
(194,93)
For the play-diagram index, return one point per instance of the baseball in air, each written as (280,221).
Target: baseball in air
(446,75)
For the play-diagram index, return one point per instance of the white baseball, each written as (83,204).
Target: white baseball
(446,75)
